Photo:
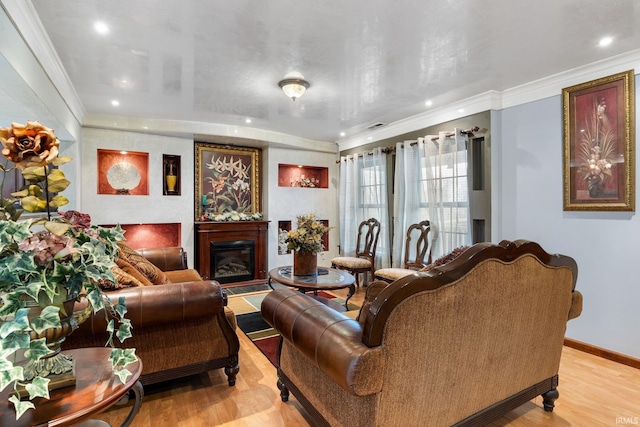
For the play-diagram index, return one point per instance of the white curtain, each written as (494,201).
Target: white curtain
(363,195)
(431,183)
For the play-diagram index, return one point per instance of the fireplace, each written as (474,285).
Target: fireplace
(213,241)
(232,261)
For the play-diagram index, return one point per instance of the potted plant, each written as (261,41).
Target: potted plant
(45,266)
(305,242)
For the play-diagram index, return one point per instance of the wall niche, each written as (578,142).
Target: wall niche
(303,176)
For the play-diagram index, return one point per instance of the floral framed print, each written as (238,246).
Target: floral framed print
(227,180)
(599,139)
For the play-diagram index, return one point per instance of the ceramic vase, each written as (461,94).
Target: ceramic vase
(305,263)
(171,183)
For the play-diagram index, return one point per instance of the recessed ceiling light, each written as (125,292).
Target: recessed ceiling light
(461,110)
(247,121)
(605,41)
(429,103)
(115,102)
(101,27)
(342,134)
(370,138)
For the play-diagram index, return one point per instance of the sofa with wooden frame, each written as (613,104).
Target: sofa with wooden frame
(180,328)
(461,344)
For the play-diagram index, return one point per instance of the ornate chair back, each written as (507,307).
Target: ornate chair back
(368,233)
(364,259)
(420,246)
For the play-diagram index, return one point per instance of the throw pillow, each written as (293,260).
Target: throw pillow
(446,258)
(126,267)
(123,280)
(144,266)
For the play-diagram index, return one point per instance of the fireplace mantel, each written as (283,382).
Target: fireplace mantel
(222,231)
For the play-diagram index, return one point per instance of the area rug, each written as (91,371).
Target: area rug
(247,310)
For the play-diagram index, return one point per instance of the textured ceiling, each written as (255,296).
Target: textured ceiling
(367,61)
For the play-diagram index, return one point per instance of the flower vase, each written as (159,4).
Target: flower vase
(171,183)
(305,263)
(55,366)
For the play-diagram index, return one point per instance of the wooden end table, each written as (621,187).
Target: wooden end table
(327,279)
(96,389)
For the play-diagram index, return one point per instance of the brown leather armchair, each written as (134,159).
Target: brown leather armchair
(179,329)
(461,344)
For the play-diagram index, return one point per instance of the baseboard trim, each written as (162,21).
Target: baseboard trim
(602,352)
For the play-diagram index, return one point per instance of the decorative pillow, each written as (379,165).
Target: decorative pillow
(126,267)
(446,258)
(123,280)
(144,266)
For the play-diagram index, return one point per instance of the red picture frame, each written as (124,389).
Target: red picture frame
(599,139)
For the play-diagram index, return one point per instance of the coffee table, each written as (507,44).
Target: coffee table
(96,389)
(328,279)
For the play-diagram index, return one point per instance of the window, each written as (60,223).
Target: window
(447,182)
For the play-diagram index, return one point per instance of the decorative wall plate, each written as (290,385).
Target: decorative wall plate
(123,177)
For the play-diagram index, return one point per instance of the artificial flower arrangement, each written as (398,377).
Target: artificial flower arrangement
(231,216)
(44,262)
(307,237)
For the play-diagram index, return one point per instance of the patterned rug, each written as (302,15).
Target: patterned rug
(246,307)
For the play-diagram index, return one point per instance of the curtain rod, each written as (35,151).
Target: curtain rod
(391,149)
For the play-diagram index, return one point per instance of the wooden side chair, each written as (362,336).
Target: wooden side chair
(417,252)
(364,260)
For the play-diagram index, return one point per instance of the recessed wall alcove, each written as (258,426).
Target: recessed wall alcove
(151,235)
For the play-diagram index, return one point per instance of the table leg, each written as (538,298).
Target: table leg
(352,291)
(138,392)
(269,283)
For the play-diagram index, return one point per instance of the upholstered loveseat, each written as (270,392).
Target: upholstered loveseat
(180,327)
(461,344)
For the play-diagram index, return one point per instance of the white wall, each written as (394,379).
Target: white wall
(279,203)
(527,184)
(154,208)
(285,203)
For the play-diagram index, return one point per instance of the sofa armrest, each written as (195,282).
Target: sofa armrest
(166,259)
(328,339)
(161,304)
(576,305)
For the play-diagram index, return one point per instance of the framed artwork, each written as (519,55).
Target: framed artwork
(599,139)
(227,179)
(123,172)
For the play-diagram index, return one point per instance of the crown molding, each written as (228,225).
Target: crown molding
(491,100)
(553,85)
(498,100)
(26,21)
(206,131)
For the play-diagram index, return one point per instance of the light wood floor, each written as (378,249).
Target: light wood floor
(593,392)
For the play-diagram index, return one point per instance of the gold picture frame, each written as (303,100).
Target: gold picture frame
(227,180)
(599,140)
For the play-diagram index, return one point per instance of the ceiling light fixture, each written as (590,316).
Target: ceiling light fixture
(293,85)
